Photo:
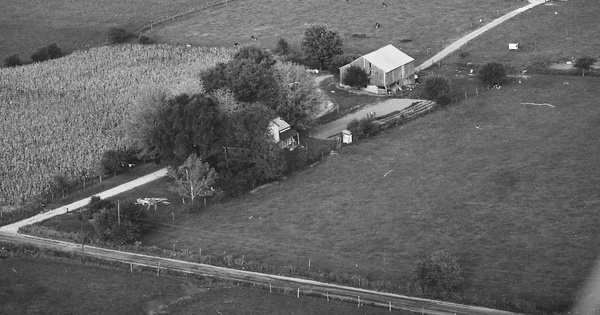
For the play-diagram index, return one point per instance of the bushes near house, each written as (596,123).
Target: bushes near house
(356,77)
(437,88)
(363,128)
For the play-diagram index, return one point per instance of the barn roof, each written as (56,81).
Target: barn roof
(388,58)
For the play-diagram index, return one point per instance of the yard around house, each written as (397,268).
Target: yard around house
(509,189)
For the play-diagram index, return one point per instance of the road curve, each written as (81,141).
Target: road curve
(302,286)
(465,39)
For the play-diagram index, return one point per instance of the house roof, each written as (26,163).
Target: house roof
(388,58)
(288,134)
(281,124)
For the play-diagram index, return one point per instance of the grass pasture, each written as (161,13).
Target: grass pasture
(555,31)
(509,189)
(427,25)
(61,287)
(29,25)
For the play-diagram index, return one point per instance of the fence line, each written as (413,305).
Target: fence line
(209,4)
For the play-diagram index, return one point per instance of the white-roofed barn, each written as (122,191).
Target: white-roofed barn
(388,67)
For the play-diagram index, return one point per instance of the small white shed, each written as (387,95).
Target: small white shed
(513,46)
(346,136)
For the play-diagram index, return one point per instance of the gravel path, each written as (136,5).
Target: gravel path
(457,44)
(380,109)
(14,227)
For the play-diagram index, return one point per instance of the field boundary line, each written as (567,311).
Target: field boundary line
(212,4)
(288,284)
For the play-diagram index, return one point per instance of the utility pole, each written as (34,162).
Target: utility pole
(119,212)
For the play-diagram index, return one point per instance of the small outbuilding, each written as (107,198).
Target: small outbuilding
(388,68)
(513,46)
(283,134)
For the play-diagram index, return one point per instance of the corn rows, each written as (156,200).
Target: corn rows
(59,116)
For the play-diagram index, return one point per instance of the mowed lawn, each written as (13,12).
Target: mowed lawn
(511,190)
(427,25)
(556,31)
(63,287)
(28,25)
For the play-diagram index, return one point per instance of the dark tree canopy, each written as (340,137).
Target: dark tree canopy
(12,61)
(584,63)
(282,47)
(356,77)
(251,155)
(256,54)
(437,89)
(320,44)
(438,273)
(114,161)
(249,81)
(183,125)
(340,60)
(493,73)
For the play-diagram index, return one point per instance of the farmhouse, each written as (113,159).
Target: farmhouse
(283,134)
(388,69)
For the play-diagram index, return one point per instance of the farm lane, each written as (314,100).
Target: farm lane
(465,39)
(326,105)
(14,227)
(304,287)
(332,128)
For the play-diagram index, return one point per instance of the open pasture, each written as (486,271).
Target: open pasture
(510,189)
(419,28)
(60,287)
(58,117)
(29,25)
(556,31)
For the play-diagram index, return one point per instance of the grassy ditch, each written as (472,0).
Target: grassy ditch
(35,280)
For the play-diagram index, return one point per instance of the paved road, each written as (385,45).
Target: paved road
(380,109)
(14,227)
(292,285)
(456,45)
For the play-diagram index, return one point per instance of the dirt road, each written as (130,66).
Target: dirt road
(265,281)
(14,227)
(457,44)
(380,109)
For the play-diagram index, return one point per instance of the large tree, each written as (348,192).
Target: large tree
(493,73)
(193,178)
(320,44)
(299,97)
(174,128)
(249,81)
(256,54)
(584,63)
(437,88)
(250,154)
(142,126)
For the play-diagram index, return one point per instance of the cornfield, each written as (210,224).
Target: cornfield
(59,116)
